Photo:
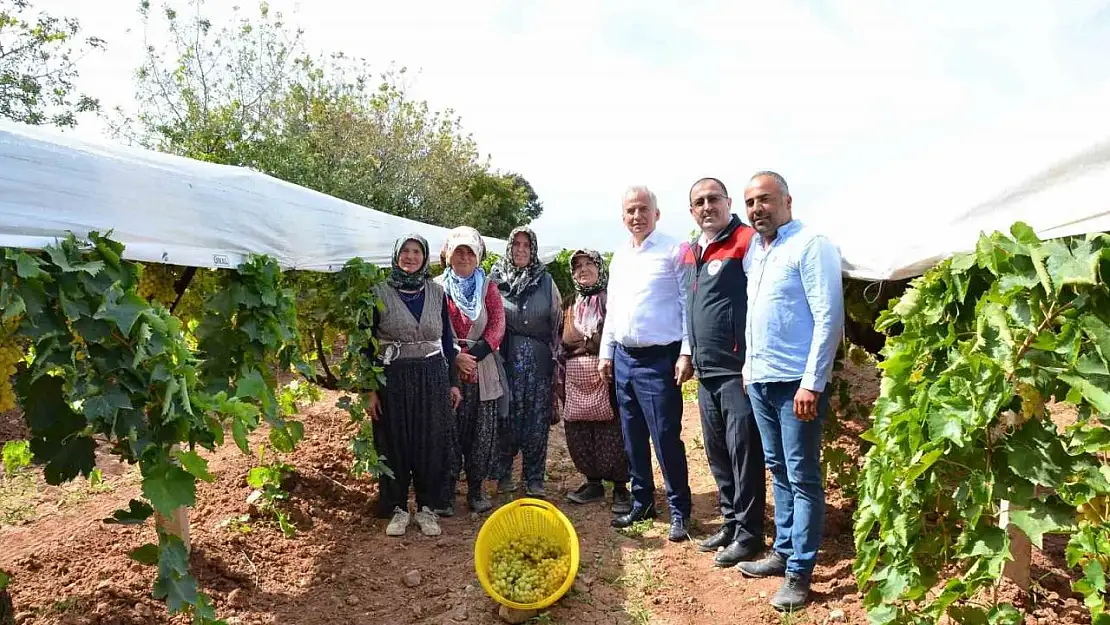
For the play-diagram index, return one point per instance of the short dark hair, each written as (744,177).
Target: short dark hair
(706,179)
(776,177)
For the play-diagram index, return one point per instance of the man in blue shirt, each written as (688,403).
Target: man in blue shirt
(795,321)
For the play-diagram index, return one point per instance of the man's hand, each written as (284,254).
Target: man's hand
(683,370)
(605,369)
(467,365)
(456,397)
(805,404)
(373,405)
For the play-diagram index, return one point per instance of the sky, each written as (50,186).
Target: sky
(585,98)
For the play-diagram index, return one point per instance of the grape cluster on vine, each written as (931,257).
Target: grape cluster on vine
(529,568)
(10,354)
(156,283)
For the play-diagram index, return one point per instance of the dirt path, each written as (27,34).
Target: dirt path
(341,568)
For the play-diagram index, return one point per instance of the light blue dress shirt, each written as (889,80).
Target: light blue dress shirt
(646,303)
(795,308)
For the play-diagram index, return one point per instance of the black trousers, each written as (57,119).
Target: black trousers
(735,453)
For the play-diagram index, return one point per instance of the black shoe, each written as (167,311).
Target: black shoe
(736,552)
(679,530)
(792,594)
(773,565)
(622,500)
(534,490)
(480,504)
(587,493)
(634,515)
(448,511)
(721,539)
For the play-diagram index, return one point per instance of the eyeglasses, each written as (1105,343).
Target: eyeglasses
(712,198)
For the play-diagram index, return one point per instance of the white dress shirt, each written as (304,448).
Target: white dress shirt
(647,296)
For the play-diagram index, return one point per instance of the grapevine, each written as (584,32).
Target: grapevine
(105,365)
(10,355)
(987,340)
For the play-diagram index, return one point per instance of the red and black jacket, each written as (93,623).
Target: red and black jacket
(717,300)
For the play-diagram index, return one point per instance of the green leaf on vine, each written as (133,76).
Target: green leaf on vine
(1098,397)
(1099,333)
(1035,453)
(59,257)
(123,309)
(1040,519)
(27,267)
(137,513)
(968,615)
(169,487)
(1004,614)
(194,464)
(106,405)
(174,584)
(146,554)
(1074,266)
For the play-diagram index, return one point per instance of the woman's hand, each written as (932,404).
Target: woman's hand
(373,405)
(467,365)
(456,397)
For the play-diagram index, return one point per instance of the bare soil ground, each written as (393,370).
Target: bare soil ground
(340,567)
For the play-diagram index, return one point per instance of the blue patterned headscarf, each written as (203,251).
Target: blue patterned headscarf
(467,293)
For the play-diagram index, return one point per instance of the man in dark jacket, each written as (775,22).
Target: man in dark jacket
(716,308)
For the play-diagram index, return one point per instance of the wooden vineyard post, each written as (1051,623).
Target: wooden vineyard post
(1021,550)
(7,609)
(177,523)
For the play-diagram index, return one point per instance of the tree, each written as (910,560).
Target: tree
(247,94)
(533,207)
(38,56)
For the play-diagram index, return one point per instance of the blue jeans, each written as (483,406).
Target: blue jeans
(650,405)
(792,451)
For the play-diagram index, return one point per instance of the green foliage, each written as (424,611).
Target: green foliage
(106,363)
(246,93)
(267,479)
(38,66)
(17,455)
(987,339)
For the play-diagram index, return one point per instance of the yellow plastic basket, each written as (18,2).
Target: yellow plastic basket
(524,516)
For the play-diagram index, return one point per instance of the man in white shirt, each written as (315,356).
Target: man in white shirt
(645,353)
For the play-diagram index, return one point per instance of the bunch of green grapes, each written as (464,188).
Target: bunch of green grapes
(156,283)
(10,354)
(529,568)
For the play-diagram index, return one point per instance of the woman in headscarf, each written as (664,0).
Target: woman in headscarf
(533,320)
(478,321)
(590,416)
(413,412)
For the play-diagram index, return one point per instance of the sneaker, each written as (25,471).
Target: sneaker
(535,490)
(792,594)
(587,493)
(398,524)
(446,512)
(773,565)
(428,522)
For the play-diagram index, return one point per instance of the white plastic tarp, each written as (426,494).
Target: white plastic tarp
(1049,168)
(181,211)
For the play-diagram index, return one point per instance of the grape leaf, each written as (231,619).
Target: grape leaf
(106,405)
(1040,519)
(1078,266)
(146,554)
(59,257)
(137,513)
(1098,397)
(123,309)
(1004,614)
(1099,333)
(174,584)
(27,267)
(193,463)
(169,487)
(5,579)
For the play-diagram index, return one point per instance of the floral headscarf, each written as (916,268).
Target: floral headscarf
(589,309)
(514,282)
(401,279)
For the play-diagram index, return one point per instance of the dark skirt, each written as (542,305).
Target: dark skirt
(475,449)
(597,449)
(524,429)
(414,434)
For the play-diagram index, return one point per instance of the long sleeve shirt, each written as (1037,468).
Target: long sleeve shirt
(795,308)
(647,296)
